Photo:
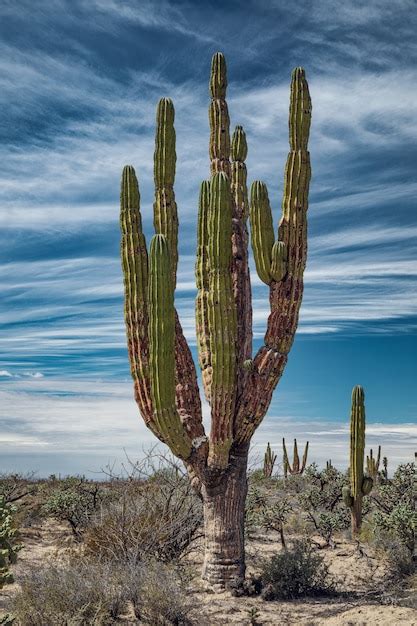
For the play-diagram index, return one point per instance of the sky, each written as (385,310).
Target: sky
(79,83)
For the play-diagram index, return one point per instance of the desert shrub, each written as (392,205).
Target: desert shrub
(396,514)
(157,518)
(321,502)
(73,500)
(9,546)
(295,573)
(15,487)
(267,512)
(86,592)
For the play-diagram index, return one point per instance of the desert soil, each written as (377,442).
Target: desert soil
(352,567)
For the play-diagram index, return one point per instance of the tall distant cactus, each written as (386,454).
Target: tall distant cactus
(360,485)
(296,467)
(238,388)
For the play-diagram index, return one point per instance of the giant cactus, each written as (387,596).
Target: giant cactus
(360,485)
(238,388)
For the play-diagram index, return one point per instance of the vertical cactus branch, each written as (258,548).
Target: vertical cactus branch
(240,265)
(360,485)
(288,260)
(135,269)
(221,321)
(269,461)
(202,283)
(165,207)
(295,468)
(161,348)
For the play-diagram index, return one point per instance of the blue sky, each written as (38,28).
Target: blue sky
(79,84)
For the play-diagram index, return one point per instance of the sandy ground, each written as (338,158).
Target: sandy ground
(350,566)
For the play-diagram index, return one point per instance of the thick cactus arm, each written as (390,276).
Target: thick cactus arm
(165,207)
(262,230)
(166,223)
(285,295)
(162,348)
(240,265)
(221,321)
(202,282)
(134,259)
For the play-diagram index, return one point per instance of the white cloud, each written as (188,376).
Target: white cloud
(6,374)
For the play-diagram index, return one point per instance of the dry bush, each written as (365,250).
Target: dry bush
(98,594)
(159,518)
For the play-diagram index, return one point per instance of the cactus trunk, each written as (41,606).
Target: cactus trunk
(224,523)
(237,387)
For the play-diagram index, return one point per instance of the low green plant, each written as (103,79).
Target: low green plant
(295,573)
(9,546)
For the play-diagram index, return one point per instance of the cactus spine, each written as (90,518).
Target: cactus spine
(372,464)
(237,385)
(296,467)
(269,461)
(360,485)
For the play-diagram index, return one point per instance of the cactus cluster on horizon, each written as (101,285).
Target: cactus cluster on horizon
(237,386)
(372,464)
(296,467)
(360,485)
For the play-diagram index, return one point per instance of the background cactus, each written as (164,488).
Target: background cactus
(360,485)
(269,461)
(296,467)
(238,386)
(372,464)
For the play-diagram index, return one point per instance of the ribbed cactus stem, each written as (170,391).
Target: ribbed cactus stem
(165,207)
(360,485)
(135,270)
(202,283)
(162,346)
(219,148)
(221,321)
(240,265)
(357,440)
(262,230)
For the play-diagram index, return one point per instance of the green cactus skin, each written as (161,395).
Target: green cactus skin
(162,348)
(372,464)
(165,207)
(262,230)
(360,485)
(279,261)
(135,270)
(269,461)
(238,386)
(221,321)
(296,467)
(202,283)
